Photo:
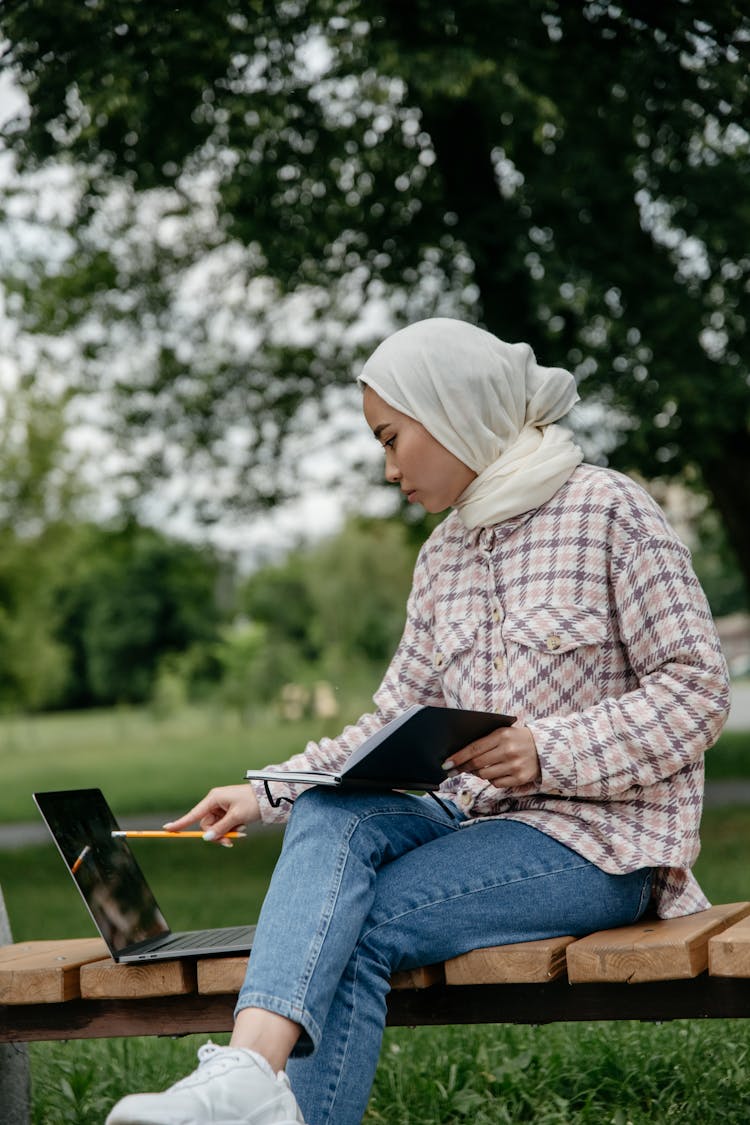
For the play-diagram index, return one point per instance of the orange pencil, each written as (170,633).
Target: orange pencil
(162,834)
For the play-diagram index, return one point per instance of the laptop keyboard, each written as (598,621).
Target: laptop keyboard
(204,939)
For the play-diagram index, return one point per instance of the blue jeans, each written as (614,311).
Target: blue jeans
(370,883)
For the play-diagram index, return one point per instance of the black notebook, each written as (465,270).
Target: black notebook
(406,753)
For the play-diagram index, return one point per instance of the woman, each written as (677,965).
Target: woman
(555,592)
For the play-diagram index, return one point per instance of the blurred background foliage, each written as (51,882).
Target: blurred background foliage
(213,210)
(209,213)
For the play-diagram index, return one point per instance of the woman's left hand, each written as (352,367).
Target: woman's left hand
(507,758)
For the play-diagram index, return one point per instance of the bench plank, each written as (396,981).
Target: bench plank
(22,949)
(653,950)
(729,952)
(424,977)
(47,975)
(108,980)
(524,962)
(108,1019)
(222,975)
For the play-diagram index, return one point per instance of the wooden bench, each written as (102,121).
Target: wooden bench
(692,967)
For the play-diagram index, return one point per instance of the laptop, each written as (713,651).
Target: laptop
(114,889)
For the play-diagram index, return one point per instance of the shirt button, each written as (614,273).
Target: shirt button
(465,800)
(553,642)
(498,663)
(438,660)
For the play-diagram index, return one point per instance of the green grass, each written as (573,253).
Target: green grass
(144,764)
(200,885)
(195,884)
(730,757)
(140,762)
(686,1071)
(566,1074)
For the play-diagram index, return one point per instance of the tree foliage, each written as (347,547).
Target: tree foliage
(39,491)
(569,173)
(338,606)
(131,598)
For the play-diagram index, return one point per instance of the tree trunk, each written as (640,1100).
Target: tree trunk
(486,223)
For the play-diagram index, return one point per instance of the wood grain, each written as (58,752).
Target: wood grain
(658,949)
(107,980)
(525,962)
(218,975)
(50,974)
(729,952)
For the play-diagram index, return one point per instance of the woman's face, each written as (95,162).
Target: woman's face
(426,471)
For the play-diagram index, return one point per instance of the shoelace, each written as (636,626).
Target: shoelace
(207,1054)
(207,1051)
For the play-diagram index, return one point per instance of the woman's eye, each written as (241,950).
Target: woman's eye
(390,443)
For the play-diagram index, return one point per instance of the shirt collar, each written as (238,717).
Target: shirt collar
(487,538)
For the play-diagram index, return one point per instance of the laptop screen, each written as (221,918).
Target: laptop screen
(104,868)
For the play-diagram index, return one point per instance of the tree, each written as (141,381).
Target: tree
(39,492)
(375,556)
(133,597)
(568,173)
(311,604)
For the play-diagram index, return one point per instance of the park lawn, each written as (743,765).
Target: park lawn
(568,1074)
(618,1073)
(147,764)
(695,1072)
(140,762)
(198,884)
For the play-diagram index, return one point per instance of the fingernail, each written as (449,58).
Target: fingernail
(209,835)
(168,826)
(448,764)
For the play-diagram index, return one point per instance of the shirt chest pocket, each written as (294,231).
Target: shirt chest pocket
(453,660)
(557,631)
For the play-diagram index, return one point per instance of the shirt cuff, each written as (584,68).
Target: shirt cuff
(556,758)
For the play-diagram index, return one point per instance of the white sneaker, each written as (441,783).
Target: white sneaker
(230,1087)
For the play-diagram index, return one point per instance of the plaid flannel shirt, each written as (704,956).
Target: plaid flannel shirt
(584,619)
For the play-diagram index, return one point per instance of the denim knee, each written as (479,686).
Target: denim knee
(326,803)
(322,813)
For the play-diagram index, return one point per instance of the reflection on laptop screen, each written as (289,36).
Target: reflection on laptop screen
(105,869)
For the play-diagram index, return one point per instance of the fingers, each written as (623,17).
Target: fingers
(221,825)
(221,810)
(468,758)
(463,759)
(507,758)
(197,814)
(502,776)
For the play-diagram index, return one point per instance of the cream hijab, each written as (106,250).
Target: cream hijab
(490,404)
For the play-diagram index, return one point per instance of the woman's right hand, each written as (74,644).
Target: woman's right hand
(222,810)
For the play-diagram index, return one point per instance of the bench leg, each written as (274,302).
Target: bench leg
(15,1086)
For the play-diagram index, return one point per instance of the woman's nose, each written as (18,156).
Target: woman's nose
(392,471)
